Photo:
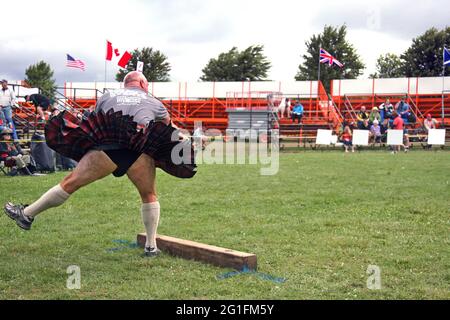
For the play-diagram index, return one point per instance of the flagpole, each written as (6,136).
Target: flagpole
(443,87)
(318,74)
(104,86)
(318,84)
(106,61)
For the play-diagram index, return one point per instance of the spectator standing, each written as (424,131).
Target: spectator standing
(399,124)
(7,101)
(403,109)
(346,138)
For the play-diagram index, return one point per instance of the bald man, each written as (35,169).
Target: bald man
(103,159)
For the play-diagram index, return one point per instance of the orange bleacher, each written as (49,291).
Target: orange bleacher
(321,110)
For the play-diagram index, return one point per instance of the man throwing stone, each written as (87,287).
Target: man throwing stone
(129,133)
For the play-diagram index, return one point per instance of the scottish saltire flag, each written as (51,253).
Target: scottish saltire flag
(73,63)
(446,56)
(325,57)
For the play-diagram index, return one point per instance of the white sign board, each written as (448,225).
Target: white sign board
(140,66)
(360,138)
(334,139)
(324,137)
(436,137)
(395,137)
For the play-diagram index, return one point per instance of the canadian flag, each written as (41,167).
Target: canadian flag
(110,51)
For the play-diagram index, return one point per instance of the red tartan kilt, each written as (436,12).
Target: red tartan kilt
(73,138)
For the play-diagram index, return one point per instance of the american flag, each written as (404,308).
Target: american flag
(325,57)
(73,63)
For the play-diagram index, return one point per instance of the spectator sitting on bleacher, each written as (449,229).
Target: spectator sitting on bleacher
(363,119)
(10,151)
(386,110)
(374,115)
(375,132)
(429,123)
(41,103)
(284,108)
(346,138)
(297,112)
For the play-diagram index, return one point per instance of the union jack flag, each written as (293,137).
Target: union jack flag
(325,57)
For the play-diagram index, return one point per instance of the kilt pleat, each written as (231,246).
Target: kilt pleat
(73,138)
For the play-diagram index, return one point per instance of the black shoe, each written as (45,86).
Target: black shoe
(16,213)
(151,252)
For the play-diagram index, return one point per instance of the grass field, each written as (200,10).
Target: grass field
(318,224)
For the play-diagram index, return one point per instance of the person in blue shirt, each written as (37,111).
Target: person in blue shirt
(297,112)
(403,109)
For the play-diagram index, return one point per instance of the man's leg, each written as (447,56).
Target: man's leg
(93,166)
(9,119)
(142,173)
(3,123)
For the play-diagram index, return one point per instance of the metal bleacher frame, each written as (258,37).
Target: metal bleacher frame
(322,110)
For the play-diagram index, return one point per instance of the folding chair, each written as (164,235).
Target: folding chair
(7,165)
(2,168)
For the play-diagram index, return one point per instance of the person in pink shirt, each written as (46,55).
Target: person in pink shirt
(399,124)
(429,123)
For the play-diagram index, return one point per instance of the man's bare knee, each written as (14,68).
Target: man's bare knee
(142,174)
(149,197)
(93,166)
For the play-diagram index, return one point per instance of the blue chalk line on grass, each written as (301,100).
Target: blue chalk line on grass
(246,270)
(125,245)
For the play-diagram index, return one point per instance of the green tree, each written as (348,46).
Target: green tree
(424,57)
(389,66)
(235,65)
(334,41)
(156,66)
(40,75)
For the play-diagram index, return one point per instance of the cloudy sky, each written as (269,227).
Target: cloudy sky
(190,32)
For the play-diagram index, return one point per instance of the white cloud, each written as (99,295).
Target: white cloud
(190,32)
